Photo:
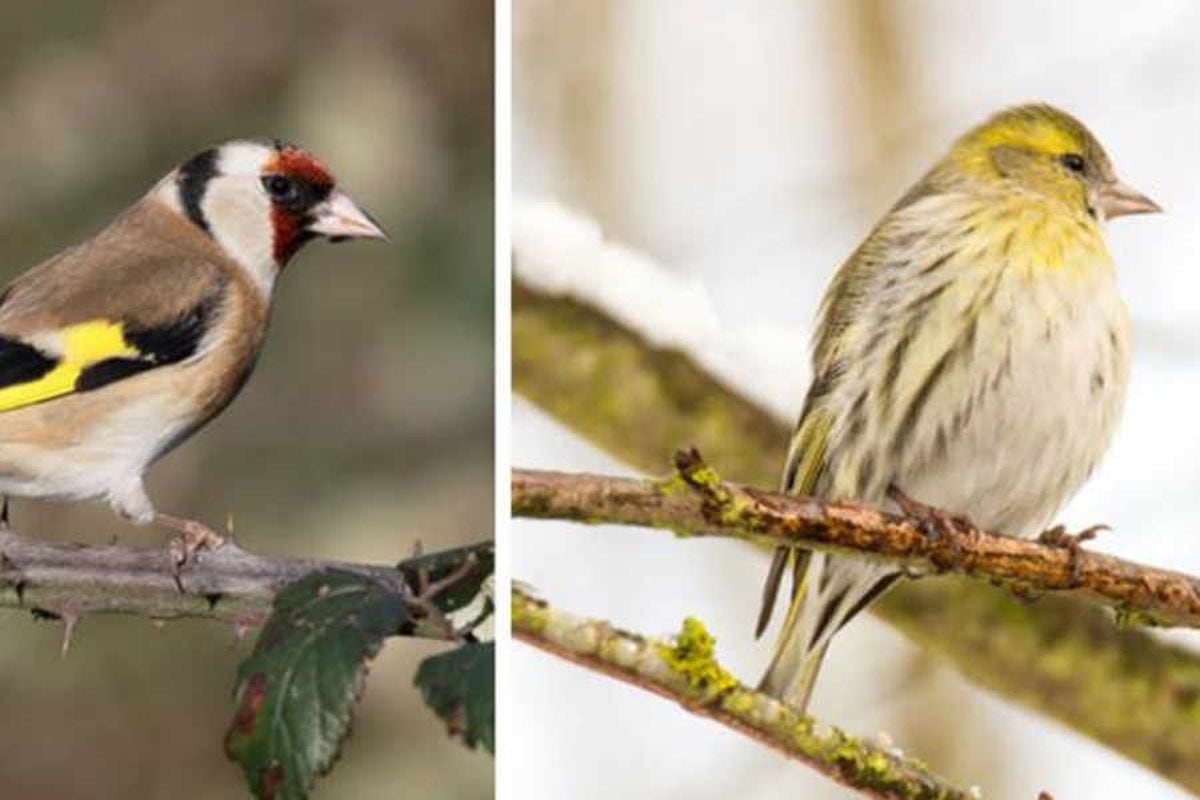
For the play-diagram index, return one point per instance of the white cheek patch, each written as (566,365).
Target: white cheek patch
(244,158)
(235,208)
(239,218)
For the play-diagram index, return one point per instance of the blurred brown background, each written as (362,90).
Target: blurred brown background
(368,424)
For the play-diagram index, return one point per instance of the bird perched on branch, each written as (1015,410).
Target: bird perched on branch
(115,351)
(972,354)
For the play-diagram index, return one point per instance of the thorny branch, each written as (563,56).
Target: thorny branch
(696,502)
(1125,688)
(686,671)
(69,581)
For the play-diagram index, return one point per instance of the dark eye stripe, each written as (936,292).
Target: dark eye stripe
(296,195)
(278,186)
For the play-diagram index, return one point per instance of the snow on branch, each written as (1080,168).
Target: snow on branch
(559,252)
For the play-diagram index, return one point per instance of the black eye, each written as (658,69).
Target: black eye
(279,187)
(1074,162)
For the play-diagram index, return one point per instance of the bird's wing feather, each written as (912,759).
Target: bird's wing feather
(129,300)
(852,326)
(807,468)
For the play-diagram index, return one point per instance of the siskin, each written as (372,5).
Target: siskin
(972,353)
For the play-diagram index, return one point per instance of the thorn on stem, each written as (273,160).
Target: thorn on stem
(70,620)
(11,573)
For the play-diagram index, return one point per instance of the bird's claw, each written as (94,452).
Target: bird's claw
(192,537)
(935,523)
(1071,542)
(191,540)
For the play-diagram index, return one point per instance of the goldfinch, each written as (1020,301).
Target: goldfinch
(972,354)
(115,351)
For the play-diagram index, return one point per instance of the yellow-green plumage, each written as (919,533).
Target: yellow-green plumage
(972,352)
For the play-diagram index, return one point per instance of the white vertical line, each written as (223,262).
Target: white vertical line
(503,411)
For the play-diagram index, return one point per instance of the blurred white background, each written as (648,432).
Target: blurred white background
(750,146)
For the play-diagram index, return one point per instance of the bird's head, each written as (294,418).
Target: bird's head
(1042,150)
(262,200)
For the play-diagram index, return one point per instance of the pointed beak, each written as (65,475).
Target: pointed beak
(339,218)
(1117,200)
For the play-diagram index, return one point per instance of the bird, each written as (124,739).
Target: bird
(116,350)
(969,362)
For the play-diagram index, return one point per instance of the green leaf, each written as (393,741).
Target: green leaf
(444,563)
(297,689)
(460,687)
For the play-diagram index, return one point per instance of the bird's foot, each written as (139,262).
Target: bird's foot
(936,523)
(4,522)
(1071,542)
(193,536)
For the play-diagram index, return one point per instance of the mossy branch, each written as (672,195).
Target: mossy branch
(1064,658)
(685,670)
(695,501)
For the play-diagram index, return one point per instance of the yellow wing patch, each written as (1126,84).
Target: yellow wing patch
(81,345)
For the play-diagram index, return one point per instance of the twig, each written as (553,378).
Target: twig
(430,590)
(696,502)
(1059,656)
(686,671)
(422,596)
(70,581)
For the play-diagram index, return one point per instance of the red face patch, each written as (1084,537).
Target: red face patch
(310,182)
(289,234)
(295,163)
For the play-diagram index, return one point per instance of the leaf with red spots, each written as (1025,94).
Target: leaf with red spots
(460,687)
(297,689)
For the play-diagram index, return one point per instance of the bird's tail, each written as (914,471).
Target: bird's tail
(828,591)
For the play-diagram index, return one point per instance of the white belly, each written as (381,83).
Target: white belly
(82,448)
(1043,410)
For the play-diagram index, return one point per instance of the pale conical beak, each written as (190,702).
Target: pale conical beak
(339,218)
(1116,200)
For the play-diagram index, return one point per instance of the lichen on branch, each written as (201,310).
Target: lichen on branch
(695,501)
(685,669)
